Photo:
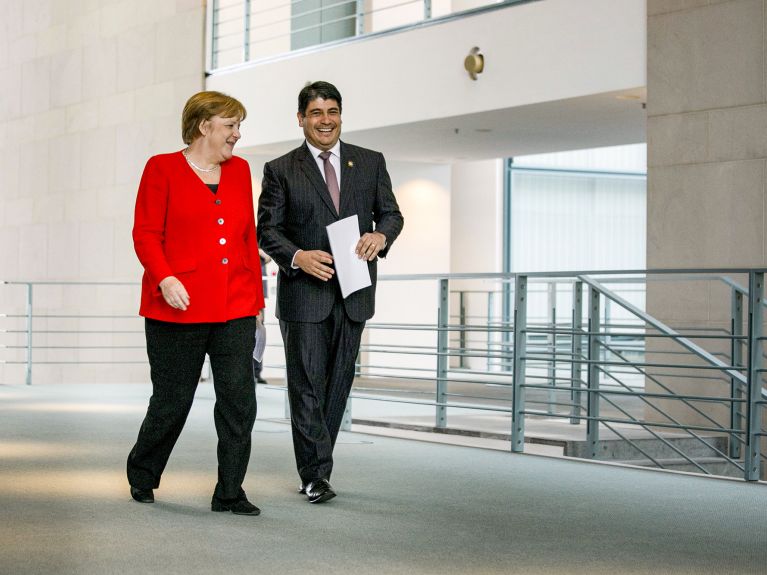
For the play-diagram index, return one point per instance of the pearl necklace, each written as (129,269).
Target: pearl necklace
(196,167)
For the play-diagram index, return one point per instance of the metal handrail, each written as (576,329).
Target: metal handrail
(550,357)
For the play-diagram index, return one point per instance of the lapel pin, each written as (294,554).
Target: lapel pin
(350,164)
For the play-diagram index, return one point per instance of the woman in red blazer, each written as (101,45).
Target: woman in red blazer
(194,232)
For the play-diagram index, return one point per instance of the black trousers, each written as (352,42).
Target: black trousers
(176,353)
(320,360)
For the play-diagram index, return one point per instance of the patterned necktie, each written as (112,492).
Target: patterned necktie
(331,181)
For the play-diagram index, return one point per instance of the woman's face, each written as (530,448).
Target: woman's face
(220,135)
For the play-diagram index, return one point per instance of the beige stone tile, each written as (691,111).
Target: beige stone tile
(37,15)
(10,95)
(175,59)
(83,29)
(677,139)
(712,57)
(136,58)
(82,117)
(50,124)
(96,250)
(9,255)
(65,163)
(132,150)
(10,162)
(98,158)
(35,86)
(99,68)
(81,206)
(51,40)
(706,215)
(49,208)
(116,109)
(66,77)
(118,17)
(117,202)
(155,101)
(21,49)
(63,251)
(656,7)
(20,211)
(33,252)
(738,133)
(33,169)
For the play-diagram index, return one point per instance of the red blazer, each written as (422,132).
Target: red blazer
(206,240)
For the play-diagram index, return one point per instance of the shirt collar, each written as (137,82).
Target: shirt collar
(335,150)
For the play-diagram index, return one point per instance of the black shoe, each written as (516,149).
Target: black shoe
(319,491)
(260,379)
(302,489)
(142,495)
(238,506)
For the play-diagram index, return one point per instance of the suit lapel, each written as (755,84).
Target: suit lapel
(348,175)
(312,171)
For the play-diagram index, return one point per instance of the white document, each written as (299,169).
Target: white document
(258,350)
(352,272)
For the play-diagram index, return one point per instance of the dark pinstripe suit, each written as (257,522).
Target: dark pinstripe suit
(321,330)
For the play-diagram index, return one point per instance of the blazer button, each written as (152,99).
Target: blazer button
(220,221)
(218,202)
(222,241)
(225,261)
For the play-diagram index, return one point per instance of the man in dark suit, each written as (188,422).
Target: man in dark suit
(315,185)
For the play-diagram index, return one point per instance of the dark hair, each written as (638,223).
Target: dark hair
(205,105)
(324,90)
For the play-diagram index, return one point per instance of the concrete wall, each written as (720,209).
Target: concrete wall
(707,153)
(90,89)
(536,52)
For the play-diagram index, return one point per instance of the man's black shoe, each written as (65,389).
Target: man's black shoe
(142,495)
(302,489)
(319,491)
(238,506)
(260,379)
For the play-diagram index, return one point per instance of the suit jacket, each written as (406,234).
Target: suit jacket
(293,211)
(206,240)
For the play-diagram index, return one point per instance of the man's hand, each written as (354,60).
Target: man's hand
(369,245)
(174,293)
(313,263)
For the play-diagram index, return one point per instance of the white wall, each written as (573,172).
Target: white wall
(89,91)
(536,52)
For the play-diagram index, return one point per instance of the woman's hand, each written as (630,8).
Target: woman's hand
(174,293)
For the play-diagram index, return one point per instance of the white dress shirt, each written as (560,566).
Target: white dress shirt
(335,161)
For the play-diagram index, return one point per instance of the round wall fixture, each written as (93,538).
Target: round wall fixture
(474,63)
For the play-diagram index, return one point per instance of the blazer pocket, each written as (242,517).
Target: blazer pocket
(183,265)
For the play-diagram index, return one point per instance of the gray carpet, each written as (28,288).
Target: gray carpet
(403,506)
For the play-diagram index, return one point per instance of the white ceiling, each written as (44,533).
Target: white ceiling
(588,122)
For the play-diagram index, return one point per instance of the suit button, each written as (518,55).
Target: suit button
(225,261)
(218,202)
(222,241)
(220,221)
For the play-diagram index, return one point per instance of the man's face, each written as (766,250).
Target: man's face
(321,122)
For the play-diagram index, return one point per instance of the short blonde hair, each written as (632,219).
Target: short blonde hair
(203,106)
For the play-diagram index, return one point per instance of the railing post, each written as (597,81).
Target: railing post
(462,331)
(360,17)
(246,32)
(490,316)
(736,355)
(29,334)
(442,359)
(592,425)
(551,297)
(577,349)
(427,9)
(520,350)
(212,33)
(755,363)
